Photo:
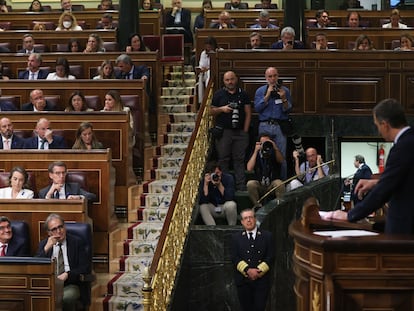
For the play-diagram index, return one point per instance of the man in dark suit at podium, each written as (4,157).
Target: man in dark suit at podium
(395,184)
(252,256)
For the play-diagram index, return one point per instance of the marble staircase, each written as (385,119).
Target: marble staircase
(148,202)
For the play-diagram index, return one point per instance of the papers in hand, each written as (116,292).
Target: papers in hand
(345,233)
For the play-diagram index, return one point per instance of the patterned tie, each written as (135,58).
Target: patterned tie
(60,262)
(42,145)
(32,76)
(3,250)
(6,144)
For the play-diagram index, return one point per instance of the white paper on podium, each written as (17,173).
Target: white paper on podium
(345,233)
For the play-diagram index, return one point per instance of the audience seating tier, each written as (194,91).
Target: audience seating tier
(150,21)
(97,164)
(326,82)
(29,283)
(34,212)
(242,18)
(234,38)
(107,125)
(382,38)
(51,38)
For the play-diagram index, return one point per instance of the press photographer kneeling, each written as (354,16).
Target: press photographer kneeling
(216,196)
(266,162)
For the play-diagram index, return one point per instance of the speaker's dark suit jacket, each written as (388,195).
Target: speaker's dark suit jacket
(32,143)
(18,246)
(29,107)
(395,186)
(77,257)
(7,106)
(70,189)
(16,143)
(24,51)
(24,75)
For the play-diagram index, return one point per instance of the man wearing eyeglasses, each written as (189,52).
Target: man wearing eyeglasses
(252,256)
(322,19)
(71,258)
(11,245)
(60,189)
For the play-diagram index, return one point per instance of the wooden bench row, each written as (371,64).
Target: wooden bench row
(338,18)
(97,164)
(150,22)
(325,82)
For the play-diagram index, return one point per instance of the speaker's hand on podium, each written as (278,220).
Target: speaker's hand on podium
(337,215)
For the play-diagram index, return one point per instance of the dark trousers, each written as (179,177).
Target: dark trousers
(253,295)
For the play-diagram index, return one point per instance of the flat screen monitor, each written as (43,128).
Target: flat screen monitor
(368,148)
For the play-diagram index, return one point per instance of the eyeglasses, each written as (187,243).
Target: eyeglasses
(59,173)
(55,229)
(248,217)
(5,227)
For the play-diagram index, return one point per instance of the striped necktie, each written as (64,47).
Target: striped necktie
(60,261)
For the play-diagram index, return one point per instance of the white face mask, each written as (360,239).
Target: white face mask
(67,24)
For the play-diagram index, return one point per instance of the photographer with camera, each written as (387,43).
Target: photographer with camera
(265,161)
(273,104)
(232,111)
(216,197)
(309,170)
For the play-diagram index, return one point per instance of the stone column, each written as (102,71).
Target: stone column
(128,21)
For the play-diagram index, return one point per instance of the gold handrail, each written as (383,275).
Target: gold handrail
(170,247)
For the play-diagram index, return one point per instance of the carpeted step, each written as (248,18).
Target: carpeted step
(173,150)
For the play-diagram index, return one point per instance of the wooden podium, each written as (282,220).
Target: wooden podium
(350,273)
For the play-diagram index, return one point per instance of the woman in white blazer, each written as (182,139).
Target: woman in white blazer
(17,185)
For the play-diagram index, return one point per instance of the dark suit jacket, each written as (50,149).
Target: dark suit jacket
(394,187)
(32,143)
(18,247)
(296,45)
(242,6)
(70,189)
(4,49)
(138,72)
(24,75)
(185,23)
(29,107)
(242,251)
(77,257)
(24,51)
(17,142)
(362,173)
(217,26)
(7,106)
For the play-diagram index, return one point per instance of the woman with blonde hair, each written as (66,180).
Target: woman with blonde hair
(94,44)
(363,43)
(85,138)
(67,21)
(406,43)
(113,102)
(105,71)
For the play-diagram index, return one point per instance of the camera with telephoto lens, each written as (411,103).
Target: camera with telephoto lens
(235,114)
(215,177)
(267,148)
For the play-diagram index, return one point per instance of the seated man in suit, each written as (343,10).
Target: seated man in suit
(178,17)
(287,40)
(322,19)
(28,44)
(224,21)
(11,245)
(38,102)
(44,138)
(59,189)
(33,71)
(8,139)
(236,5)
(71,256)
(128,70)
(264,21)
(266,4)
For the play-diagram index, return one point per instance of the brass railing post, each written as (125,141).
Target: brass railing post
(147,290)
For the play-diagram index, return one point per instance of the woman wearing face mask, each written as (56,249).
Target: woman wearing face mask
(67,21)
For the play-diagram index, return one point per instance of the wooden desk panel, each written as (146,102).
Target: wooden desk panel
(326,82)
(100,175)
(29,284)
(34,213)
